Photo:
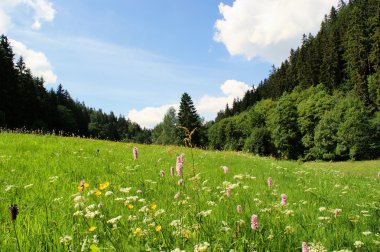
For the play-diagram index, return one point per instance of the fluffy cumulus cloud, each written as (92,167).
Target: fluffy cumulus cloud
(36,61)
(210,105)
(268,29)
(150,116)
(43,12)
(207,106)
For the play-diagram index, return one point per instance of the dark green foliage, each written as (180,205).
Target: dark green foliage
(259,142)
(188,118)
(284,128)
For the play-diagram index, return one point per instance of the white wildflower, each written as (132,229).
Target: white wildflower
(201,247)
(125,189)
(205,213)
(358,244)
(108,193)
(65,239)
(114,220)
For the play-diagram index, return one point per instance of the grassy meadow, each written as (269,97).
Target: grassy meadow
(130,205)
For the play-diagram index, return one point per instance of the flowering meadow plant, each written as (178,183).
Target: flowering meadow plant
(65,196)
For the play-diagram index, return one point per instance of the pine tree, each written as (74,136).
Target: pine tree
(189,119)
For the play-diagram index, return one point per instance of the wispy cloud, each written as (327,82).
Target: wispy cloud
(268,29)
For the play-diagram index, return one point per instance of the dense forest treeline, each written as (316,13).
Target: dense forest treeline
(25,103)
(322,102)
(344,55)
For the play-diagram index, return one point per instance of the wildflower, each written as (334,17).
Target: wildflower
(323,218)
(91,215)
(305,247)
(97,193)
(283,199)
(143,209)
(27,186)
(65,239)
(157,228)
(179,165)
(225,169)
(205,213)
(270,182)
(177,195)
(322,209)
(162,172)
(78,199)
(177,250)
(358,244)
(172,171)
(159,212)
(92,228)
(108,193)
(201,247)
(137,231)
(288,230)
(378,175)
(238,209)
(125,190)
(211,203)
(337,212)
(180,182)
(130,206)
(153,206)
(132,217)
(228,192)
(13,210)
(78,213)
(135,153)
(366,233)
(114,220)
(254,222)
(104,185)
(9,187)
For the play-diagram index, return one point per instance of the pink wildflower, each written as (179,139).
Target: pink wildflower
(254,222)
(179,165)
(172,171)
(238,209)
(270,182)
(228,192)
(82,182)
(305,248)
(283,199)
(176,196)
(135,153)
(162,173)
(225,169)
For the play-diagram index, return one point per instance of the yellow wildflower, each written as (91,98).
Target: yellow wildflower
(153,206)
(97,193)
(137,231)
(92,228)
(130,206)
(158,228)
(86,185)
(104,185)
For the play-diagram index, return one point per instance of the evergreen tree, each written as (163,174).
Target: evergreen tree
(189,119)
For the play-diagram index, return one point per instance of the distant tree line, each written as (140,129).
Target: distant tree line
(25,103)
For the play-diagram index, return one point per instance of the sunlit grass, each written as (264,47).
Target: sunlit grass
(129,206)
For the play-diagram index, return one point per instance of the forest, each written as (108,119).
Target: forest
(322,103)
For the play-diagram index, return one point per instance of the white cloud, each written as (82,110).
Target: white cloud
(268,29)
(43,12)
(150,116)
(207,106)
(36,61)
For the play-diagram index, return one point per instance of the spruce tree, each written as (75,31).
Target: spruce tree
(189,119)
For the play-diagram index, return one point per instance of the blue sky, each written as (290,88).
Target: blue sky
(136,58)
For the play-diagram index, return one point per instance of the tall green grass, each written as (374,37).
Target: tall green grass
(327,206)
